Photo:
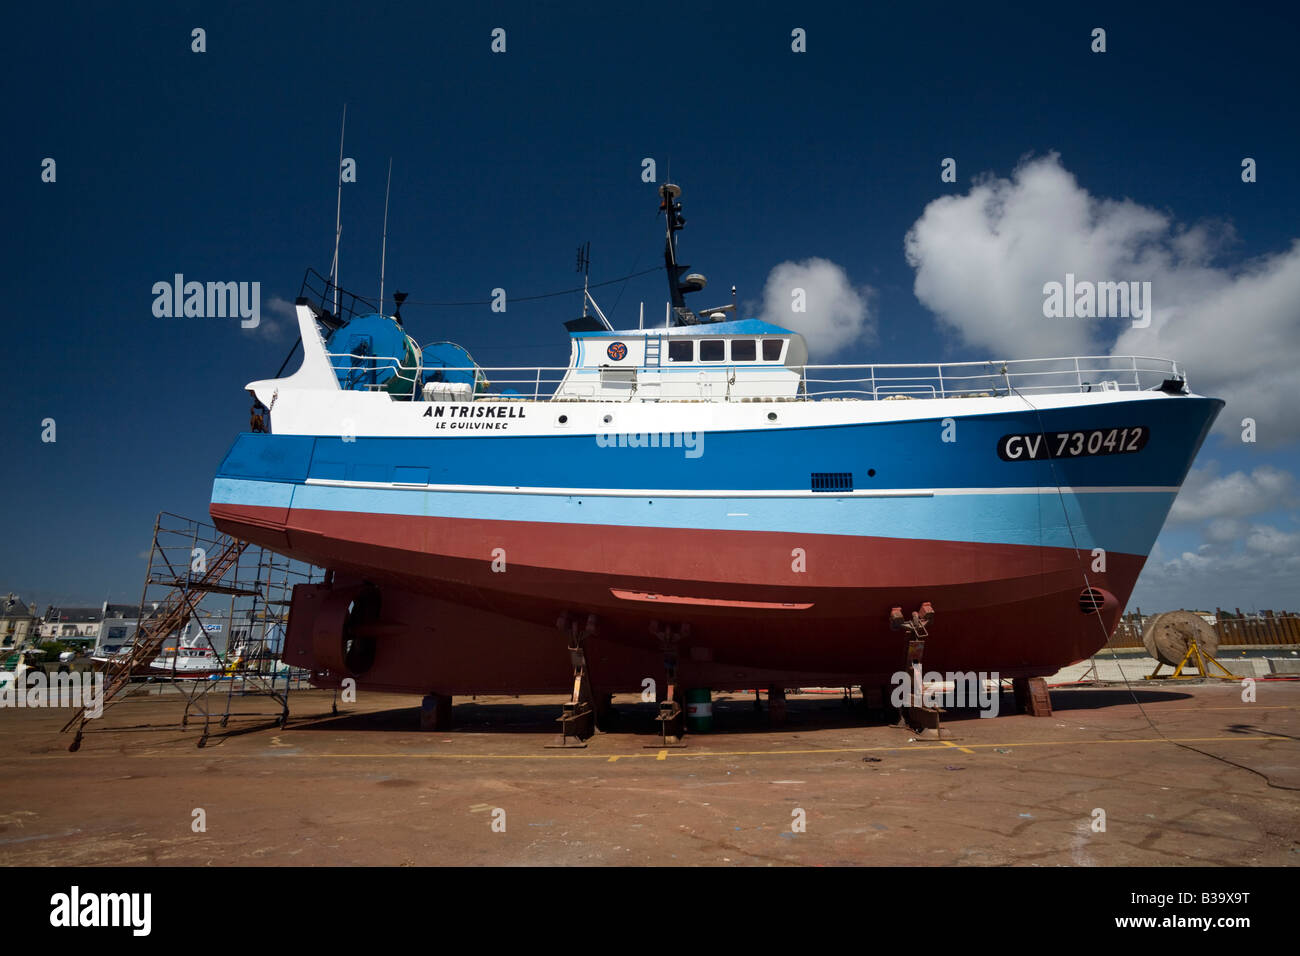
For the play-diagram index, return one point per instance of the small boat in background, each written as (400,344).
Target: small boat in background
(186,662)
(110,656)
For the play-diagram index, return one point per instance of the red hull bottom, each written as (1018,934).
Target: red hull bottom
(449,623)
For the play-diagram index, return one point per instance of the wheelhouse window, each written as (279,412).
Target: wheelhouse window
(772,349)
(713,350)
(743,350)
(681,350)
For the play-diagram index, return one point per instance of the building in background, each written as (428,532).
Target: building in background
(17,622)
(117,626)
(94,627)
(71,625)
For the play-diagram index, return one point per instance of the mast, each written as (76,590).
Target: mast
(679,282)
(584,266)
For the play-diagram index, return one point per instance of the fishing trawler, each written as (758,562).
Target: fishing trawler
(112,656)
(697,495)
(190,660)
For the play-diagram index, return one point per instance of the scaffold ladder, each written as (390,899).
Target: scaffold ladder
(172,613)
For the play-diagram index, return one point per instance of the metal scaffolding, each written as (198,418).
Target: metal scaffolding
(206,590)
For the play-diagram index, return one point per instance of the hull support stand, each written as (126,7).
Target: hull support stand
(671,718)
(578,718)
(922,720)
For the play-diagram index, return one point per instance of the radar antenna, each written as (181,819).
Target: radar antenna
(680,279)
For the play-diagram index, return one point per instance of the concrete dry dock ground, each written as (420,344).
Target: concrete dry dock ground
(367,787)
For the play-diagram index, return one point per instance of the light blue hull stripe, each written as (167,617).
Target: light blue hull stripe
(1122,522)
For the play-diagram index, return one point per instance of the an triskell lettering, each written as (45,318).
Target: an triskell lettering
(475,410)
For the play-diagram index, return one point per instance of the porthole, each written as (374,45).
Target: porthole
(607,419)
(563,419)
(771,416)
(871,472)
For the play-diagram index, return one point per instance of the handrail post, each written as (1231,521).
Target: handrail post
(942,393)
(1078,374)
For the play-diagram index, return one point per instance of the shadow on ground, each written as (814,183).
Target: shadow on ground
(732,714)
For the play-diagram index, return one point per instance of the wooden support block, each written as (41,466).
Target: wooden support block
(435,712)
(1032,697)
(776,706)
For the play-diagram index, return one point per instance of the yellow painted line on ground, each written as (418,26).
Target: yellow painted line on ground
(1237,707)
(664,754)
(962,749)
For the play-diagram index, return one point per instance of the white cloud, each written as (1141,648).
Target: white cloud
(836,313)
(1259,570)
(1234,561)
(282,306)
(1265,539)
(273,328)
(1225,530)
(982,259)
(1206,495)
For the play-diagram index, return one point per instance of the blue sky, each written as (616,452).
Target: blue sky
(221,166)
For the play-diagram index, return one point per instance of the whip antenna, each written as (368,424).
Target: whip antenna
(338,211)
(383,251)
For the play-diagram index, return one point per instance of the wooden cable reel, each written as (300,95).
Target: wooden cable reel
(1168,636)
(1180,638)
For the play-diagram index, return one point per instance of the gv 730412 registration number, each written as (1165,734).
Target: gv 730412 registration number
(1080,444)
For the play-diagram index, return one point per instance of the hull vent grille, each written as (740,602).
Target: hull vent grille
(1091,600)
(832,481)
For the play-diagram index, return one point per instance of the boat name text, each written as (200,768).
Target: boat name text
(452,415)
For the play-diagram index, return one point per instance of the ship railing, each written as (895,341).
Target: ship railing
(333,301)
(1085,373)
(358,371)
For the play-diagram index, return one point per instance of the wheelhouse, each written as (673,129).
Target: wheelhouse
(715,361)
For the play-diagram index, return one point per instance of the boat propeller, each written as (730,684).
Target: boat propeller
(346,631)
